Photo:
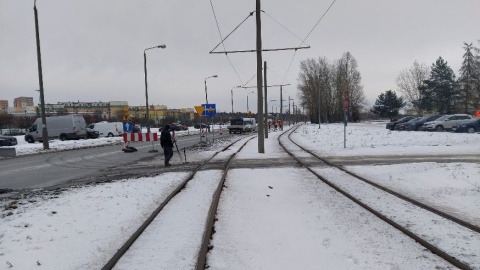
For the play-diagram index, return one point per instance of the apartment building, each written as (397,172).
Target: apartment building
(21,102)
(4,106)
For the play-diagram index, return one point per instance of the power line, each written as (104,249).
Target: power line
(221,38)
(308,35)
(318,21)
(283,26)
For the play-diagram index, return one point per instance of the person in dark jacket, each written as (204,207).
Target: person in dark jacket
(167,144)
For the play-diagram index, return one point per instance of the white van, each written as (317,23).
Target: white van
(107,129)
(65,127)
(250,123)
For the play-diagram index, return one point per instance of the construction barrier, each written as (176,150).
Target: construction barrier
(140,137)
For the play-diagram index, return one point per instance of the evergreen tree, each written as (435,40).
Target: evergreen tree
(438,92)
(388,104)
(468,77)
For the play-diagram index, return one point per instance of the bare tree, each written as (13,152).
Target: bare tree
(409,80)
(323,86)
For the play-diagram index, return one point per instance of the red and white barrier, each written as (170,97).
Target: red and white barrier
(140,137)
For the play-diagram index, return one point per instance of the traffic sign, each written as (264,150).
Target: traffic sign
(209,109)
(126,117)
(199,110)
(127,126)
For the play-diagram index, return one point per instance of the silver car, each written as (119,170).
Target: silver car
(446,122)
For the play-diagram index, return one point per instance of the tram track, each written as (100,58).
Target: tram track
(430,241)
(202,253)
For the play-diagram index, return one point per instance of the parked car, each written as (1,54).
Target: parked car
(92,134)
(469,127)
(401,126)
(417,125)
(177,127)
(7,140)
(200,125)
(446,122)
(392,125)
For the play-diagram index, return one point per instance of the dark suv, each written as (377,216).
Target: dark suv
(392,125)
(402,126)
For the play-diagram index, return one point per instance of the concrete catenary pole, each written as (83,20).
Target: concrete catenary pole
(260,116)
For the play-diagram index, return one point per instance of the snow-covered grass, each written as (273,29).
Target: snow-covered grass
(278,218)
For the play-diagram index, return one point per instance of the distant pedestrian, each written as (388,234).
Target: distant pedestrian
(167,144)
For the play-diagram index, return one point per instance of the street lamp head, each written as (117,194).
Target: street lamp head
(214,76)
(163,46)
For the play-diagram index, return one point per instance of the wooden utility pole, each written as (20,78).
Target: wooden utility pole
(260,120)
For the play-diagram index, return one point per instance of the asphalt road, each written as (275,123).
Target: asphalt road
(53,169)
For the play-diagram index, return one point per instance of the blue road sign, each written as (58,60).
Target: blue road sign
(210,109)
(127,127)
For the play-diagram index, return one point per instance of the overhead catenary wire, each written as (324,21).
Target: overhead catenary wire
(284,27)
(221,38)
(252,50)
(306,37)
(303,41)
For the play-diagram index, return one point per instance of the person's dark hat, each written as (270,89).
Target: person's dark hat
(167,126)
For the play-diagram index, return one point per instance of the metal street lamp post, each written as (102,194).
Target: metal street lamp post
(147,116)
(252,92)
(206,102)
(40,80)
(231,91)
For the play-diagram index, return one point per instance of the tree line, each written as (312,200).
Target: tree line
(436,89)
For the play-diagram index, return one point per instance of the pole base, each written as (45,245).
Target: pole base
(153,151)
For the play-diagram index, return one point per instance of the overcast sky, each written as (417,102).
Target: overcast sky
(93,50)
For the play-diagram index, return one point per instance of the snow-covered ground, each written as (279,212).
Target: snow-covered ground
(279,218)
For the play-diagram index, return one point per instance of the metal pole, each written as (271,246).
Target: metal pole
(319,102)
(294,114)
(206,102)
(260,120)
(40,81)
(266,101)
(289,112)
(326,104)
(231,91)
(281,108)
(147,116)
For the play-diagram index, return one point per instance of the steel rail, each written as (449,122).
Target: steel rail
(460,222)
(123,249)
(454,261)
(207,233)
